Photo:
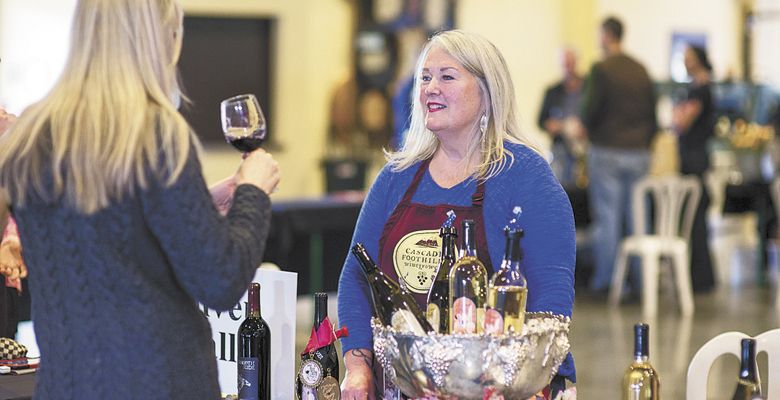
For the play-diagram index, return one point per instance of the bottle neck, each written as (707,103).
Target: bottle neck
(448,251)
(468,245)
(254,300)
(320,308)
(641,343)
(365,260)
(747,367)
(512,252)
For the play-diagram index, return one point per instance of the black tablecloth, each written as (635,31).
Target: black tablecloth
(312,237)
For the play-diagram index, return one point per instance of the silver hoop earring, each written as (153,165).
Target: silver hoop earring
(483,123)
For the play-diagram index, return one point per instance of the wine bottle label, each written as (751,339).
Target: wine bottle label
(311,373)
(433,315)
(494,322)
(416,258)
(464,316)
(404,321)
(248,378)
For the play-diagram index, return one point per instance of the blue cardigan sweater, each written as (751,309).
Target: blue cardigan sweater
(548,244)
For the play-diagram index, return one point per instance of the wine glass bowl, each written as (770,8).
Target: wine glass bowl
(243,122)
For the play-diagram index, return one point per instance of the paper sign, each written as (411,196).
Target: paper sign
(278,295)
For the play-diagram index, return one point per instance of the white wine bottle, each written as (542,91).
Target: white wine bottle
(508,289)
(393,305)
(749,383)
(641,382)
(438,312)
(468,286)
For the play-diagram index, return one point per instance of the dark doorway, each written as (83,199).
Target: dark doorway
(224,57)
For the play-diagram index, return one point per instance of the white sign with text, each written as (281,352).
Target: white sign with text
(278,294)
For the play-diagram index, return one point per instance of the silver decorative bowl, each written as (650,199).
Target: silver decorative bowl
(469,366)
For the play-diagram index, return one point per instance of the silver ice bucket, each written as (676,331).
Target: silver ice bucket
(468,366)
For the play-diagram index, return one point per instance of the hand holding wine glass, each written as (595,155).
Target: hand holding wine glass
(260,169)
(244,126)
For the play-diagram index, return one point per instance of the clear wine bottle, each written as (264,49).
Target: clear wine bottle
(641,381)
(508,290)
(468,286)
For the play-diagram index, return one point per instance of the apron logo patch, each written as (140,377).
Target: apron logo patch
(416,259)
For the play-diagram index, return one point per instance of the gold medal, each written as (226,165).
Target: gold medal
(329,389)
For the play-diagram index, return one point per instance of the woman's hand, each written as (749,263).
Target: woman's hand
(11,263)
(222,194)
(260,169)
(358,382)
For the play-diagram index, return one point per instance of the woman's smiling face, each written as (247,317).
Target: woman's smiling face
(450,96)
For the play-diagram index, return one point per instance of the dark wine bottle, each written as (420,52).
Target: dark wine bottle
(749,383)
(392,305)
(319,373)
(438,313)
(468,286)
(641,381)
(254,352)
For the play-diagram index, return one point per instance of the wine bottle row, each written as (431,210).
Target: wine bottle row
(460,300)
(642,382)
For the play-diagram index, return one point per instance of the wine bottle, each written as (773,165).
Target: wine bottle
(749,383)
(641,382)
(438,313)
(254,352)
(318,377)
(468,287)
(508,290)
(392,305)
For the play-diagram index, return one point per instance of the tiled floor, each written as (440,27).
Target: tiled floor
(602,339)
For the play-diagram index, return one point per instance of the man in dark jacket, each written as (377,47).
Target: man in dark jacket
(618,111)
(559,118)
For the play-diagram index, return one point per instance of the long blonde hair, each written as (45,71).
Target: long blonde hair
(483,60)
(109,119)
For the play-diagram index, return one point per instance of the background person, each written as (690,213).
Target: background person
(120,233)
(694,122)
(618,112)
(559,118)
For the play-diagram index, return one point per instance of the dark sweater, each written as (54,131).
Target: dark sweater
(114,294)
(618,106)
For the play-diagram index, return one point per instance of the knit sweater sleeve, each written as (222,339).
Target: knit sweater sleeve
(213,257)
(354,300)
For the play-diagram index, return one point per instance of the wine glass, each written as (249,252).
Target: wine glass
(243,122)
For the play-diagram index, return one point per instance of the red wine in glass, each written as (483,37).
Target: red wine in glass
(243,122)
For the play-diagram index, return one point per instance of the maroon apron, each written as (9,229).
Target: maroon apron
(410,246)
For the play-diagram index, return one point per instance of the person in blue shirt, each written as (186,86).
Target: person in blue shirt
(464,151)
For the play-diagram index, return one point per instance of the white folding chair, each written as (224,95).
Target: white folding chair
(729,343)
(675,199)
(729,232)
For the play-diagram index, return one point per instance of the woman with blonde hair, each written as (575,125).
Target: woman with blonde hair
(465,152)
(121,238)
